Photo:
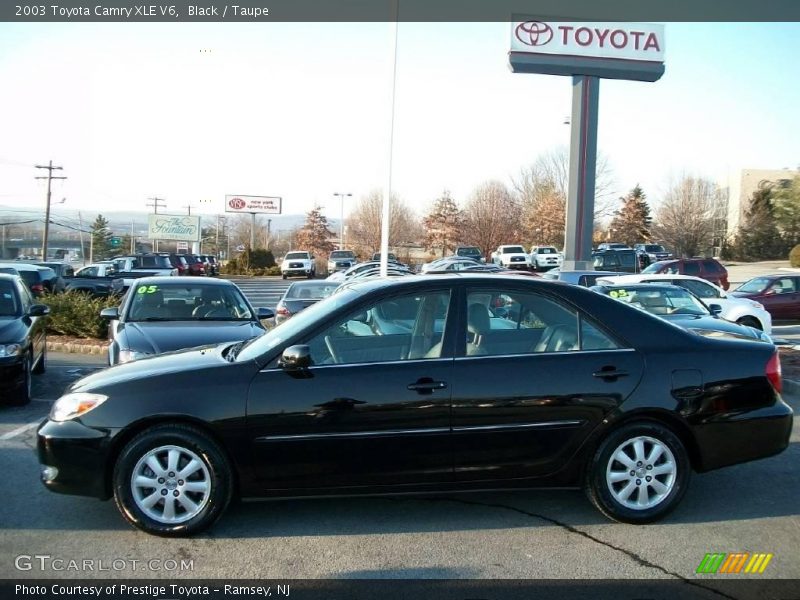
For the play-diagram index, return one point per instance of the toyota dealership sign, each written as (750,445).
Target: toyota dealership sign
(270,205)
(613,50)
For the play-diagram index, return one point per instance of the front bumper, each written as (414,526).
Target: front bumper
(12,374)
(517,265)
(80,456)
(296,271)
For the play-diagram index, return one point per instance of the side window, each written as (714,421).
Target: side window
(594,339)
(404,328)
(691,268)
(701,290)
(513,322)
(784,285)
(711,266)
(69,272)
(25,297)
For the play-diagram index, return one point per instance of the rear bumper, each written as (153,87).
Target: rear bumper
(79,454)
(736,438)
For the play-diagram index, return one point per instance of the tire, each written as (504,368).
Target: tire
(750,322)
(607,478)
(22,394)
(283,275)
(212,481)
(41,366)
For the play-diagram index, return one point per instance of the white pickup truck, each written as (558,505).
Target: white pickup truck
(298,262)
(511,257)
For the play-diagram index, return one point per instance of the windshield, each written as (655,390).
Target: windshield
(546,251)
(754,286)
(288,329)
(653,248)
(468,252)
(514,249)
(342,254)
(660,302)
(181,302)
(8,300)
(296,255)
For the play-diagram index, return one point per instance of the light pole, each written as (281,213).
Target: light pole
(341,220)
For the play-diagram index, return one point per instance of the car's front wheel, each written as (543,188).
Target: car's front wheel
(750,322)
(172,480)
(639,473)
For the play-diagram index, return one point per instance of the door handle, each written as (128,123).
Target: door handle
(609,373)
(426,386)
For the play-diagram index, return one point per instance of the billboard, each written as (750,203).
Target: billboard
(183,228)
(611,50)
(268,205)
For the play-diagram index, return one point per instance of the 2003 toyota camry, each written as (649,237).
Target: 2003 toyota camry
(423,384)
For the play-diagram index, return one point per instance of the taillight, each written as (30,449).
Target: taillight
(774,372)
(37,288)
(282,310)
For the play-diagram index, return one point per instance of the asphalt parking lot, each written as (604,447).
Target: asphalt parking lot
(528,535)
(750,507)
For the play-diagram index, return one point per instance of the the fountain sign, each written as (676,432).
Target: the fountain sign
(182,228)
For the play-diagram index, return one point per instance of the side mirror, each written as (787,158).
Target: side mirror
(38,310)
(110,313)
(264,313)
(296,357)
(715,309)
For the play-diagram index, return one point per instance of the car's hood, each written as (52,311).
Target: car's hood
(11,330)
(744,294)
(712,326)
(182,361)
(157,337)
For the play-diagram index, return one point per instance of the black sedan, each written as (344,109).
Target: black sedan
(679,306)
(23,346)
(161,314)
(426,384)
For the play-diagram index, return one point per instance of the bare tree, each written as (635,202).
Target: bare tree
(687,217)
(364,224)
(492,217)
(542,191)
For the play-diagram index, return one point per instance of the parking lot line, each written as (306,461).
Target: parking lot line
(18,431)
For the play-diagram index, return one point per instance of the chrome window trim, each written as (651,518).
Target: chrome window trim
(566,353)
(426,361)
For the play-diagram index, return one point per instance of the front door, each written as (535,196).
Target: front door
(372,410)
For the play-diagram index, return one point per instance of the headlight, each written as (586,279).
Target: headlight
(130,355)
(10,350)
(75,405)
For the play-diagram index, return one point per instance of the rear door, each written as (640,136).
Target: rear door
(532,378)
(782,298)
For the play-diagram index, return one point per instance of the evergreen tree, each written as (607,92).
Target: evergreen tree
(758,237)
(786,209)
(101,239)
(314,235)
(631,223)
(443,225)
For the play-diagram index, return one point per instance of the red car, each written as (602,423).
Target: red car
(780,294)
(196,265)
(706,268)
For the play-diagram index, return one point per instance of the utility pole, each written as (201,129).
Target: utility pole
(341,220)
(50,168)
(80,229)
(189,208)
(156,203)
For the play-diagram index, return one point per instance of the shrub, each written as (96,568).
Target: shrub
(250,262)
(794,256)
(77,314)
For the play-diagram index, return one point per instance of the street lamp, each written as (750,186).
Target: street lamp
(341,221)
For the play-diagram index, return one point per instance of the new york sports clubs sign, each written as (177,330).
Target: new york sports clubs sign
(270,205)
(624,41)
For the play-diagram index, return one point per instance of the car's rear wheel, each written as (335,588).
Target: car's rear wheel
(750,322)
(172,480)
(639,473)
(283,275)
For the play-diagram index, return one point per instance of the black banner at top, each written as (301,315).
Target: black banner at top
(143,11)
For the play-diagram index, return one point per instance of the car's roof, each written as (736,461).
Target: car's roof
(25,266)
(632,276)
(8,277)
(308,283)
(164,279)
(645,286)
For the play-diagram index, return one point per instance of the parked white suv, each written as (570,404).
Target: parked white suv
(545,257)
(298,262)
(739,310)
(510,257)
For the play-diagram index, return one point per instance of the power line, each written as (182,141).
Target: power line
(50,168)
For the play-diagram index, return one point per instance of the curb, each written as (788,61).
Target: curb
(68,348)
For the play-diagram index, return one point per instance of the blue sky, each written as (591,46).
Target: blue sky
(301,111)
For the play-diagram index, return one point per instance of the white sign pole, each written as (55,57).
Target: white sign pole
(388,190)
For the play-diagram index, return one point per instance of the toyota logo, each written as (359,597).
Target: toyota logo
(534,33)
(237,203)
